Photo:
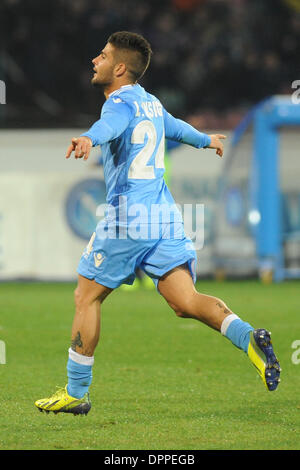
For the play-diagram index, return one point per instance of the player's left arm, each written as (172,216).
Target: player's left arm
(181,131)
(115,118)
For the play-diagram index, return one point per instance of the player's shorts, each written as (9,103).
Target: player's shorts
(114,261)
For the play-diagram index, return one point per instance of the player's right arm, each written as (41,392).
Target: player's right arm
(115,118)
(181,131)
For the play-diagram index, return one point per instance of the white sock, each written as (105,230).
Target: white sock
(226,322)
(80,358)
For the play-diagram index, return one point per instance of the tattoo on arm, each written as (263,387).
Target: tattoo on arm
(224,308)
(76,342)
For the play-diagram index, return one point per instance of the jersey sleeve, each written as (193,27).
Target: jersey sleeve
(181,131)
(115,118)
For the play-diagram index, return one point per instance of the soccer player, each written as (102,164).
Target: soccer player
(132,131)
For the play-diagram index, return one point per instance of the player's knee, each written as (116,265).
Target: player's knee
(182,309)
(78,297)
(85,298)
(81,300)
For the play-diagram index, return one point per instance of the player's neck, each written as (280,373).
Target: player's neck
(116,86)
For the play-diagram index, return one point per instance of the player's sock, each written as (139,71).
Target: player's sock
(79,370)
(237,331)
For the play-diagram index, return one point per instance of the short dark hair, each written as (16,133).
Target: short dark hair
(125,40)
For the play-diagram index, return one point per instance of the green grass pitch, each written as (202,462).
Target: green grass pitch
(159,382)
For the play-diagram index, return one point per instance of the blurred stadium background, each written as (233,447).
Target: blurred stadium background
(217,64)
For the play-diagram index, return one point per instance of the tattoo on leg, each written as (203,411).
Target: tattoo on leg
(225,309)
(76,342)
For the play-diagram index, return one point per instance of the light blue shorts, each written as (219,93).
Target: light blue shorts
(114,261)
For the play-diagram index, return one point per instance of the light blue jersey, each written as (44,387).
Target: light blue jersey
(131,132)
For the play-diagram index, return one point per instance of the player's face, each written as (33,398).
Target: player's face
(104,65)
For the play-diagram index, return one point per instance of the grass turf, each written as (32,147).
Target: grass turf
(160,382)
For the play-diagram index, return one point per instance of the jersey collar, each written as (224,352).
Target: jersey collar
(121,88)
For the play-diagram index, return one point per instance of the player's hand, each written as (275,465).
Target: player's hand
(81,146)
(216,143)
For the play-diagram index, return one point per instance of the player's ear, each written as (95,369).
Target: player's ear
(120,69)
